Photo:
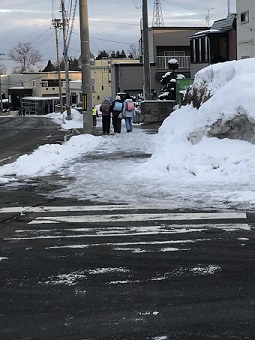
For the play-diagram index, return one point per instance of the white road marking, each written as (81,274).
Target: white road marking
(136,217)
(122,244)
(100,208)
(45,209)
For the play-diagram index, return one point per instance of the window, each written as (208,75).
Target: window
(174,53)
(93,86)
(199,50)
(244,17)
(34,83)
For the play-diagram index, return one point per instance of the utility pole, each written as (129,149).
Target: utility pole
(146,58)
(57,24)
(86,71)
(66,61)
(1,96)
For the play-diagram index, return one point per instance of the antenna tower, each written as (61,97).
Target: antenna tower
(157,14)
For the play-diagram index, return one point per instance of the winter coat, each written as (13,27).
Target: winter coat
(125,113)
(108,112)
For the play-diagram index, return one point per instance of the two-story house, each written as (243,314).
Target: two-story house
(164,43)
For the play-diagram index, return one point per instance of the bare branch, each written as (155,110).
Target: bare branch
(25,56)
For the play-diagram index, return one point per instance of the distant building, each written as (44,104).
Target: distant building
(39,85)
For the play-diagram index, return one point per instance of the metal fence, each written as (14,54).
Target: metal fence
(183,61)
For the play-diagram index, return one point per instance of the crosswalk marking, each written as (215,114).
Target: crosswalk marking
(106,232)
(77,208)
(102,222)
(101,208)
(137,217)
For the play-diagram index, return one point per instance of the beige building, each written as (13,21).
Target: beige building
(101,77)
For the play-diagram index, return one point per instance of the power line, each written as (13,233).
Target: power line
(192,9)
(40,35)
(114,41)
(44,40)
(113,22)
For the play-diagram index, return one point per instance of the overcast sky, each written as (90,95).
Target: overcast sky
(113,24)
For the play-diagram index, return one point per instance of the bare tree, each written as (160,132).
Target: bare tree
(3,69)
(133,52)
(25,56)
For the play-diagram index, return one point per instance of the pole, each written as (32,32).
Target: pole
(146,58)
(1,96)
(68,101)
(86,71)
(57,24)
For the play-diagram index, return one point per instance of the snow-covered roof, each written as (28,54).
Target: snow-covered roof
(41,98)
(205,32)
(219,26)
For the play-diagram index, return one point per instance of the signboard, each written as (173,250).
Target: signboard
(85,102)
(182,85)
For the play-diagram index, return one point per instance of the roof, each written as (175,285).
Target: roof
(224,25)
(219,26)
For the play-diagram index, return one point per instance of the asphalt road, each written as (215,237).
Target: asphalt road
(78,270)
(20,135)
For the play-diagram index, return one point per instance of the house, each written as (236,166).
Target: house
(164,43)
(245,11)
(213,45)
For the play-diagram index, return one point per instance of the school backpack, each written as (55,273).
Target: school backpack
(105,106)
(117,106)
(130,106)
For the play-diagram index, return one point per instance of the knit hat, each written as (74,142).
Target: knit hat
(117,97)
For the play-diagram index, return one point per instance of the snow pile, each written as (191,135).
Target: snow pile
(66,124)
(193,143)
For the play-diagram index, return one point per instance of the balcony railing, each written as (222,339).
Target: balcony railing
(183,61)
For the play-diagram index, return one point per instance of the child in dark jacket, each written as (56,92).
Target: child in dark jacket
(117,107)
(106,108)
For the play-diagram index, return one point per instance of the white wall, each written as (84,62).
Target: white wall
(245,29)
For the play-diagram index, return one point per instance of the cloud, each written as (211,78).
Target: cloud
(112,24)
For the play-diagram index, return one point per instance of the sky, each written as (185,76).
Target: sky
(187,169)
(113,25)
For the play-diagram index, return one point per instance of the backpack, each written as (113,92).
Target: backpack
(130,106)
(117,106)
(106,106)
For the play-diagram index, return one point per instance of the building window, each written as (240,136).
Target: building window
(34,83)
(93,86)
(174,53)
(245,17)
